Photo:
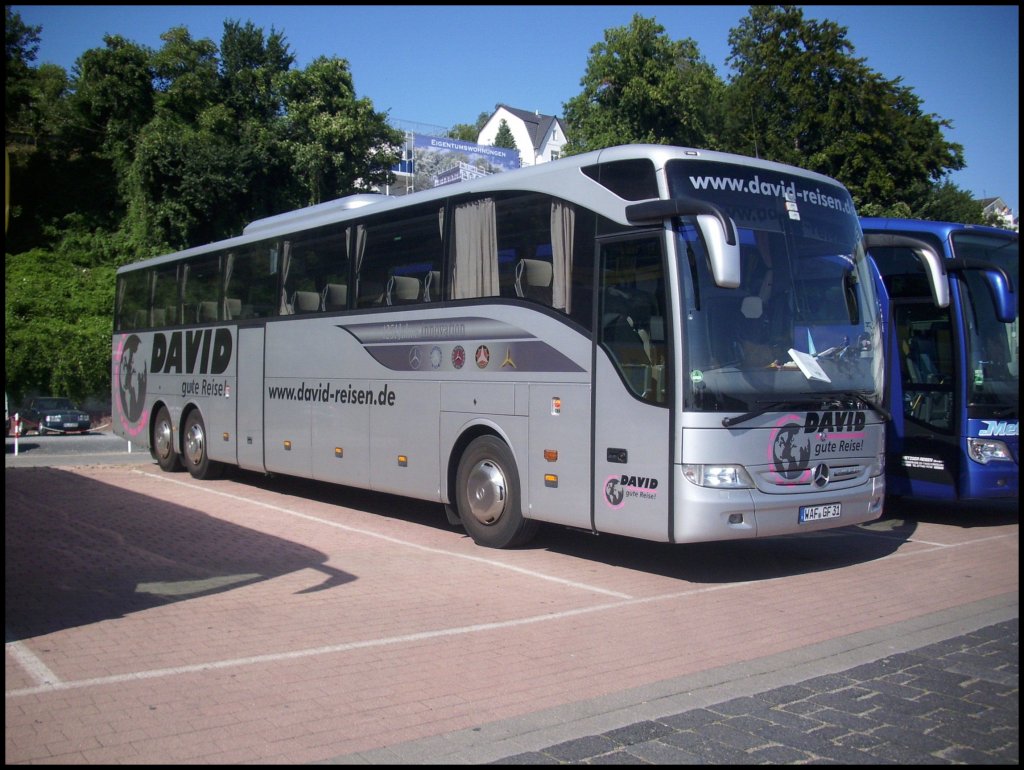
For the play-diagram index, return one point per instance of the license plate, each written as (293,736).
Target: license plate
(819,512)
(71,425)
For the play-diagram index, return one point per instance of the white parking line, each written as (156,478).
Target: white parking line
(388,538)
(32,665)
(49,682)
(56,685)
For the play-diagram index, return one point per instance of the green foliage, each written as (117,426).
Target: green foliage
(337,144)
(641,86)
(799,96)
(21,46)
(469,132)
(504,136)
(57,325)
(464,132)
(139,152)
(946,202)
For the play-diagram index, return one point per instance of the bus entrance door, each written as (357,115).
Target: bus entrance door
(923,446)
(632,447)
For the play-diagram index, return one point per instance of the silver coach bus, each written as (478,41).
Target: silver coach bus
(665,343)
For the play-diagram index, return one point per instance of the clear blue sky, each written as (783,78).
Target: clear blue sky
(441,65)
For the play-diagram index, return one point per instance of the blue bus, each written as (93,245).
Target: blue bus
(953,376)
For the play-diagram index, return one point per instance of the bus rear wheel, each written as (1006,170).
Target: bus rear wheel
(197,456)
(487,495)
(163,442)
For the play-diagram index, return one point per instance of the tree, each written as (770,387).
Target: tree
(20,49)
(469,132)
(112,99)
(186,71)
(504,136)
(252,69)
(641,86)
(945,202)
(141,152)
(799,96)
(337,144)
(57,324)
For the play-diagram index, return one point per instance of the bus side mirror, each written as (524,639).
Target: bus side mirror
(933,265)
(1002,295)
(1000,286)
(724,256)
(715,225)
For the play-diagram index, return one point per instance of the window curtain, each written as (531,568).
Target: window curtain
(563,226)
(286,261)
(476,250)
(355,242)
(122,288)
(153,275)
(229,266)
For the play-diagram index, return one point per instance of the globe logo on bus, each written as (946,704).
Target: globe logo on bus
(131,382)
(614,492)
(789,454)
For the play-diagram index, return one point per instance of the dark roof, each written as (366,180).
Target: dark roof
(537,125)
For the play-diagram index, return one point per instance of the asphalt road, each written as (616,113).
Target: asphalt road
(95,447)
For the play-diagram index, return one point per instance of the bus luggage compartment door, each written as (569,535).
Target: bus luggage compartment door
(249,399)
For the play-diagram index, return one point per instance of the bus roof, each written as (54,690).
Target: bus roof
(537,178)
(941,230)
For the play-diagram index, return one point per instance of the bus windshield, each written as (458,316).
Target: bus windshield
(992,346)
(803,324)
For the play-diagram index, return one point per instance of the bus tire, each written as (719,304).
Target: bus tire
(197,454)
(487,495)
(163,443)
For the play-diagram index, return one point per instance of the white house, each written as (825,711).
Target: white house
(996,207)
(539,138)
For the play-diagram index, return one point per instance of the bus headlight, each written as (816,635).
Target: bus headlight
(986,450)
(718,476)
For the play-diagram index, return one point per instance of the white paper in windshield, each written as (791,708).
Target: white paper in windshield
(811,369)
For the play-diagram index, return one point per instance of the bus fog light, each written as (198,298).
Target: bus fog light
(983,450)
(735,518)
(718,476)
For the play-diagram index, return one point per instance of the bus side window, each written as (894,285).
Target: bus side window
(206,311)
(402,290)
(305,302)
(508,261)
(632,313)
(432,286)
(533,280)
(396,257)
(335,297)
(371,292)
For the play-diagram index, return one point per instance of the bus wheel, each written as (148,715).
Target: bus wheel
(163,443)
(487,495)
(197,457)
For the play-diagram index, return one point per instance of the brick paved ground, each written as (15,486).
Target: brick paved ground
(955,702)
(154,619)
(881,697)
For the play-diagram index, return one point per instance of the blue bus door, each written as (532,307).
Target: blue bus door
(923,449)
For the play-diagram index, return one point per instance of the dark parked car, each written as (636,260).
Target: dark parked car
(55,415)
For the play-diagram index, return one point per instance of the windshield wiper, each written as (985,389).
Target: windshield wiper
(768,406)
(816,403)
(870,403)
